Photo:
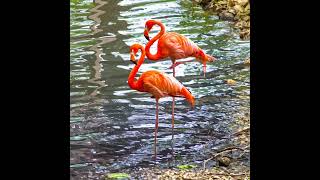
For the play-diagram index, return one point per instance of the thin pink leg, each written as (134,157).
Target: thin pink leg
(173,101)
(156,129)
(204,70)
(177,63)
(172,121)
(174,72)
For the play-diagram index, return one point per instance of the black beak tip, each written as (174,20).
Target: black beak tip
(147,37)
(134,62)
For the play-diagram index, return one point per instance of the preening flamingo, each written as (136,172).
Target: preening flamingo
(157,83)
(175,46)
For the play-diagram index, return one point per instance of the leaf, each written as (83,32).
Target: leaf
(247,61)
(231,82)
(186,166)
(117,176)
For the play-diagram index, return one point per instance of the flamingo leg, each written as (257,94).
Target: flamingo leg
(156,128)
(174,72)
(172,151)
(177,63)
(204,70)
(173,99)
(172,121)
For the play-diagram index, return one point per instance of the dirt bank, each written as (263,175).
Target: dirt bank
(237,11)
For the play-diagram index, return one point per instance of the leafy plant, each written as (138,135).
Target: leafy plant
(186,166)
(117,176)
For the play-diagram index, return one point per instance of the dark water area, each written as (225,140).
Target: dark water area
(112,126)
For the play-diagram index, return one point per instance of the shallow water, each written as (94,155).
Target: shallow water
(111,125)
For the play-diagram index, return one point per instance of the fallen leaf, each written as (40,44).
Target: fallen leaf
(186,166)
(231,82)
(117,176)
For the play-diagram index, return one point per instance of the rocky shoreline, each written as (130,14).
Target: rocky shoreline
(237,11)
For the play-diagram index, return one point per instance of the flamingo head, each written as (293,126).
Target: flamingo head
(133,51)
(192,101)
(189,97)
(148,27)
(203,57)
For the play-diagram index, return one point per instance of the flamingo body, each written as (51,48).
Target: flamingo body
(157,83)
(160,85)
(176,46)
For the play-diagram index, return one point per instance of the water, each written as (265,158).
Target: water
(111,125)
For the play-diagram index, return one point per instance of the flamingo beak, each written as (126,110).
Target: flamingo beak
(211,58)
(133,59)
(146,34)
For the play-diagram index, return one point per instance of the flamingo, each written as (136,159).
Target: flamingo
(175,46)
(157,83)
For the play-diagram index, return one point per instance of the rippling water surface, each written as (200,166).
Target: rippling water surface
(111,125)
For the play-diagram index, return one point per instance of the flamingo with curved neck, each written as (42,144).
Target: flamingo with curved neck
(173,45)
(157,83)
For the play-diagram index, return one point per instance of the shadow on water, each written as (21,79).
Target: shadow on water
(112,126)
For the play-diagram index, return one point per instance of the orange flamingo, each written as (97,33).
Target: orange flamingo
(175,46)
(157,83)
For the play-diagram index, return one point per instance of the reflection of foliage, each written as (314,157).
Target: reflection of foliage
(79,11)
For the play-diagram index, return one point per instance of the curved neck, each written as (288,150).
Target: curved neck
(156,56)
(131,79)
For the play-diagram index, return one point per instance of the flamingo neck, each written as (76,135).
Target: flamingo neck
(131,79)
(156,56)
(189,97)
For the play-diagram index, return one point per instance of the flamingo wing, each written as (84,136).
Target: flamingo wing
(160,84)
(171,46)
(153,90)
(177,45)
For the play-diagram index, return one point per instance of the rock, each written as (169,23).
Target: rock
(224,161)
(231,10)
(243,2)
(226,16)
(245,34)
(247,61)
(238,8)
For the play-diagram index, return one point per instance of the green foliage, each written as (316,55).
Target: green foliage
(186,166)
(117,176)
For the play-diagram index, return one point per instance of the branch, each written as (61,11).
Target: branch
(239,132)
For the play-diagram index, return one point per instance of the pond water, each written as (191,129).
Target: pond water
(112,126)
